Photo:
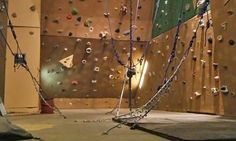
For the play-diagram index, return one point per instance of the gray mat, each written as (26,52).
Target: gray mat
(10,132)
(202,131)
(188,126)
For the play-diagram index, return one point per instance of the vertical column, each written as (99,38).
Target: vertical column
(20,93)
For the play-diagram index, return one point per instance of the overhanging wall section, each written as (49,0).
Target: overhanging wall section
(167,14)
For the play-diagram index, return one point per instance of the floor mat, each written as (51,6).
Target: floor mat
(10,132)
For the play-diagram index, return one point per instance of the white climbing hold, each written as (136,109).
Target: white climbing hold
(68,61)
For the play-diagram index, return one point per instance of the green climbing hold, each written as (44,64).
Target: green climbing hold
(74,11)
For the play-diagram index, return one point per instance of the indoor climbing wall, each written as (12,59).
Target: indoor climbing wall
(20,93)
(78,64)
(166,14)
(3,22)
(193,87)
(224,19)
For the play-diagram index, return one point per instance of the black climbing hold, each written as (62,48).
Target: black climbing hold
(70,34)
(231,42)
(138,38)
(79,19)
(210,40)
(117,30)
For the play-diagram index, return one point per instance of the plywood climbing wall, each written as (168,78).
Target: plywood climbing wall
(167,14)
(78,67)
(25,16)
(223,13)
(191,89)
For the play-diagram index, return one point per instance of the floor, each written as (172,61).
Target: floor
(80,125)
(189,126)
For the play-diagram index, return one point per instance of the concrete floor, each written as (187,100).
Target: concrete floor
(80,125)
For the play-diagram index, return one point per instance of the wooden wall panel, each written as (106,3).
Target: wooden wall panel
(21,14)
(194,77)
(57,80)
(20,93)
(57,44)
(224,19)
(55,22)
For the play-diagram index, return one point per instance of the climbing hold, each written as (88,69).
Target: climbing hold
(197,94)
(88,50)
(14,15)
(46,17)
(215,91)
(220,38)
(123,10)
(117,30)
(79,19)
(95,90)
(88,44)
(70,1)
(209,52)
(70,34)
(91,29)
(105,58)
(88,22)
(31,33)
(69,17)
(74,11)
(83,61)
(106,15)
(94,81)
(74,90)
(68,61)
(33,8)
(233,94)
(103,34)
(59,31)
(187,7)
(95,59)
(96,69)
(224,25)
(231,42)
(59,83)
(111,76)
(74,82)
(78,40)
(57,20)
(230,12)
(202,23)
(138,38)
(216,77)
(224,90)
(210,40)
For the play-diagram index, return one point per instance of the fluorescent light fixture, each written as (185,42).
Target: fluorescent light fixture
(143,74)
